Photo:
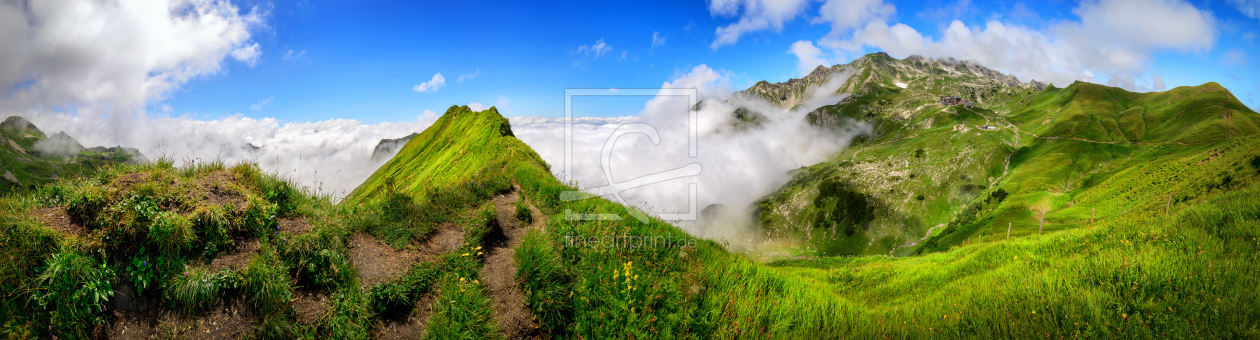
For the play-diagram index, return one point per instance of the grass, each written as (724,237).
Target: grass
(1060,150)
(1140,272)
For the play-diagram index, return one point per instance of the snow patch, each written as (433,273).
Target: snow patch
(901,85)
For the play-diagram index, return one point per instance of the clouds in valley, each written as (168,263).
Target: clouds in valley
(739,166)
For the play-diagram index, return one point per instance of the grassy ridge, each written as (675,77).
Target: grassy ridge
(937,171)
(454,149)
(1187,273)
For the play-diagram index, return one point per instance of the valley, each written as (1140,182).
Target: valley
(931,226)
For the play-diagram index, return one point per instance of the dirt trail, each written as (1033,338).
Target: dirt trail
(409,326)
(920,240)
(378,263)
(499,272)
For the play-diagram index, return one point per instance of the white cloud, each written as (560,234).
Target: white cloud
(467,76)
(332,155)
(1234,57)
(1158,83)
(758,159)
(845,15)
(658,39)
(294,55)
(1249,8)
(501,104)
(248,54)
(116,55)
(1115,38)
(1249,36)
(597,49)
(808,56)
(432,85)
(259,105)
(757,15)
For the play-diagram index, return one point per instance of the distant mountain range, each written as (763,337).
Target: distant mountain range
(29,158)
(933,175)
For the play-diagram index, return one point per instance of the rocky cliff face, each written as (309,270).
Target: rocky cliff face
(946,76)
(388,147)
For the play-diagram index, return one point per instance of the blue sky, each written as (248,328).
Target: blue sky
(315,61)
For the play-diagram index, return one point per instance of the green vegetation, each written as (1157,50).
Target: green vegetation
(24,166)
(937,172)
(1151,265)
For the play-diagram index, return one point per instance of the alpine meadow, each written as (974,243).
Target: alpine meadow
(911,181)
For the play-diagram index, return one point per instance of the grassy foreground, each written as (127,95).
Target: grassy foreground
(1188,273)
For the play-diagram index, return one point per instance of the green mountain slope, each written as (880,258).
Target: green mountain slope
(1139,276)
(24,166)
(464,236)
(460,243)
(456,147)
(935,176)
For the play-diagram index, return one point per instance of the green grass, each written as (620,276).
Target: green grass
(1140,272)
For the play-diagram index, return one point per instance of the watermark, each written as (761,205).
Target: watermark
(615,188)
(572,240)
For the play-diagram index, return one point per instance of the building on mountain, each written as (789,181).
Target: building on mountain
(967,103)
(950,100)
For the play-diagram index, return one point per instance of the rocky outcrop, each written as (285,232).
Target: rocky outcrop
(388,147)
(19,124)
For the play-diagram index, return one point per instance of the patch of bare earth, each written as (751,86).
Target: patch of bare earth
(376,261)
(238,258)
(57,219)
(295,226)
(217,186)
(499,273)
(447,238)
(310,306)
(411,326)
(231,320)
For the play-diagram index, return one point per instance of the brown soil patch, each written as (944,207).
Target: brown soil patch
(295,226)
(1210,157)
(310,306)
(59,220)
(447,238)
(238,258)
(218,189)
(499,273)
(1227,115)
(376,261)
(233,320)
(410,327)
